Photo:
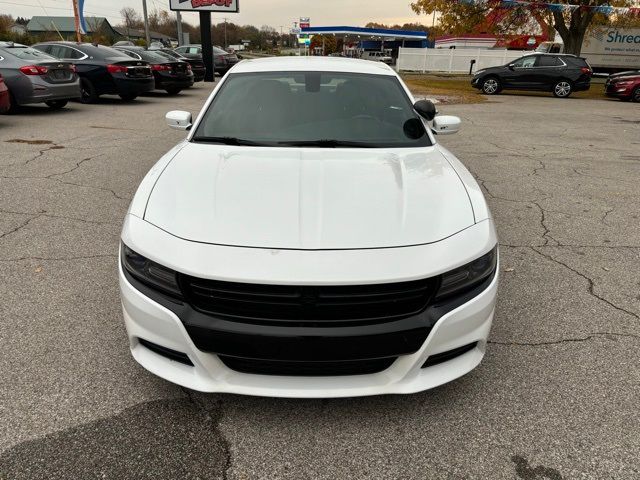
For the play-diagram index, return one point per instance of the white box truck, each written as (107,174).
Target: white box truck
(610,50)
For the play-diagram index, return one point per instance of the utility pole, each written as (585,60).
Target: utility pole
(146,23)
(225,33)
(179,20)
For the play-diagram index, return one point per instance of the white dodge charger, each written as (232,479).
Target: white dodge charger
(309,238)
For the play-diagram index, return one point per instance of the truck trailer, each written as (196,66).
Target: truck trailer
(607,51)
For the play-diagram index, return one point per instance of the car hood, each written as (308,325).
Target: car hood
(287,198)
(497,69)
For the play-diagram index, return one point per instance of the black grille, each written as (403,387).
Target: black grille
(308,305)
(306,369)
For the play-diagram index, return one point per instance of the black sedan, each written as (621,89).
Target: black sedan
(103,70)
(222,61)
(170,74)
(197,65)
(557,73)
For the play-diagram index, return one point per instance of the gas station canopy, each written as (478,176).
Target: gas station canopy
(368,33)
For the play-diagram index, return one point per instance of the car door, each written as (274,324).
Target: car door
(520,73)
(548,70)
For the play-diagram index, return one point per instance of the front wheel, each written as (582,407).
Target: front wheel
(562,89)
(173,91)
(635,96)
(491,86)
(56,104)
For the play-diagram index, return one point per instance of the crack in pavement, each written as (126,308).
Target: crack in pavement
(19,227)
(215,421)
(546,235)
(606,214)
(568,245)
(76,167)
(44,213)
(590,282)
(541,167)
(59,259)
(590,336)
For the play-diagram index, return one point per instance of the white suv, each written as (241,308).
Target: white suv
(309,238)
(377,57)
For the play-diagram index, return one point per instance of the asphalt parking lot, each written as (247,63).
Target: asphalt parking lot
(555,398)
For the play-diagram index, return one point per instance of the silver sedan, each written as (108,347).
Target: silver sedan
(35,77)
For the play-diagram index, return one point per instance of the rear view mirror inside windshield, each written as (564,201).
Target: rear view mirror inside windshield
(312,82)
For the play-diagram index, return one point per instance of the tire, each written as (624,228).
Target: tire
(56,104)
(88,92)
(173,91)
(491,86)
(635,95)
(128,98)
(14,107)
(562,89)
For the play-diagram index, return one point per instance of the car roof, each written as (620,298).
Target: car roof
(322,64)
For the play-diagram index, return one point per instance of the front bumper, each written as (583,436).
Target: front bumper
(613,90)
(151,321)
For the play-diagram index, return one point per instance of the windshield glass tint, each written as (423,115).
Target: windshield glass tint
(280,108)
(28,53)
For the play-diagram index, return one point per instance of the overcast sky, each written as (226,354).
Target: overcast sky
(254,12)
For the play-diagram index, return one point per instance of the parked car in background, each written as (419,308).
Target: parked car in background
(103,70)
(35,77)
(624,85)
(222,61)
(170,74)
(377,57)
(197,65)
(557,73)
(5,102)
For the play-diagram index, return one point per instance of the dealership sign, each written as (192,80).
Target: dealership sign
(227,6)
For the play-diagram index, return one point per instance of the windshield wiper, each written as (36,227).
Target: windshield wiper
(324,143)
(231,141)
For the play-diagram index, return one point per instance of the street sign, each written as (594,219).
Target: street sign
(226,6)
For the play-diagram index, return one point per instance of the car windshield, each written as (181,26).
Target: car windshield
(325,109)
(28,53)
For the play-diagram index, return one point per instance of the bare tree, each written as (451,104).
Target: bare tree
(130,18)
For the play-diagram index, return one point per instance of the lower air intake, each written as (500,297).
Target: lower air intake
(306,369)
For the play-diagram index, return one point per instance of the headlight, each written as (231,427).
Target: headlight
(150,273)
(468,276)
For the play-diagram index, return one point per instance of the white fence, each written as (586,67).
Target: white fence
(452,60)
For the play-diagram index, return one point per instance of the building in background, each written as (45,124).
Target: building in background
(97,27)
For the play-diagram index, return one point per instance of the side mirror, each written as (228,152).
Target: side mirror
(445,125)
(511,66)
(179,120)
(426,109)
